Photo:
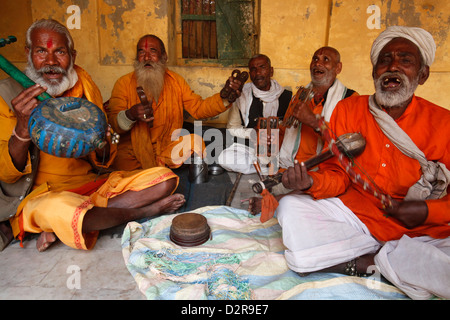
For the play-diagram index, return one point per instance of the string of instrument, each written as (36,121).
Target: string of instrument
(268,141)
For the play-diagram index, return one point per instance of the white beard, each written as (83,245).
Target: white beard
(56,87)
(328,79)
(391,99)
(150,79)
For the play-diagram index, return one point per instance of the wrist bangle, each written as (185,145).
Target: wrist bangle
(20,138)
(124,122)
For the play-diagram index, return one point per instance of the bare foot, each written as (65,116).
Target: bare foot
(166,205)
(45,240)
(254,205)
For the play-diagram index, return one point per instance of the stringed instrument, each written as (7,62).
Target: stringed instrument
(65,127)
(350,144)
(303,95)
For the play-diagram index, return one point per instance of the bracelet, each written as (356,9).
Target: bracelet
(352,270)
(124,122)
(20,138)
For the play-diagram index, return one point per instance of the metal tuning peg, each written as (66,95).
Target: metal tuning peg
(9,40)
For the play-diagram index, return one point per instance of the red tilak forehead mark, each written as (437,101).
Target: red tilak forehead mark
(146,44)
(49,43)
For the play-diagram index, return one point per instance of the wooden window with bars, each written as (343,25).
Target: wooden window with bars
(199,29)
(218,30)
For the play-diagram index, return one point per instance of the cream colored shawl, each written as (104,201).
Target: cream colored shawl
(435,176)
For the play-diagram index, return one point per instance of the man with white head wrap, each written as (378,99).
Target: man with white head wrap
(420,37)
(337,225)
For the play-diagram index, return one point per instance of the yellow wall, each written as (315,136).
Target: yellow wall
(290,31)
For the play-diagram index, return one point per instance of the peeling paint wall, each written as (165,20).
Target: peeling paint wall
(289,32)
(123,22)
(292,30)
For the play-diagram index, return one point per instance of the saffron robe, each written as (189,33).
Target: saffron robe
(144,147)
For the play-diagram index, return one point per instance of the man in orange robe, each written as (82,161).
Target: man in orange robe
(150,135)
(304,141)
(337,225)
(63,197)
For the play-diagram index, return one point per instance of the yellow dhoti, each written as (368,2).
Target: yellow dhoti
(62,212)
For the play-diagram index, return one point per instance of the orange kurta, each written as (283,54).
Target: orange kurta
(391,170)
(144,147)
(309,141)
(309,138)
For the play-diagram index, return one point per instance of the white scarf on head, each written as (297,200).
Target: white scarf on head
(420,37)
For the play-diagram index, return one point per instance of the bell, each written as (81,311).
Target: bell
(198,171)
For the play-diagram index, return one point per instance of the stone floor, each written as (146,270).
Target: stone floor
(68,274)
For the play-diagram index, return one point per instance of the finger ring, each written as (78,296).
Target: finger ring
(145,116)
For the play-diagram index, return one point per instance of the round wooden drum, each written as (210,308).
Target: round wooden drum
(189,230)
(67,127)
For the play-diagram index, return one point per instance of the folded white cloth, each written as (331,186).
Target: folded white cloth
(427,274)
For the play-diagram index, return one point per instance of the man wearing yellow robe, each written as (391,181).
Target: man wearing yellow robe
(150,135)
(63,197)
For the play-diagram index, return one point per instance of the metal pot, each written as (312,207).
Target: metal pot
(198,173)
(215,169)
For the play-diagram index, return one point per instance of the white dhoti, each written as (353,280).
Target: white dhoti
(323,233)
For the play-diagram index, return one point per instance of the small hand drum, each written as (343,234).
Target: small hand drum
(67,127)
(189,230)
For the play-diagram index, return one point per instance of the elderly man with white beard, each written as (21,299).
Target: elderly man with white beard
(65,198)
(402,226)
(150,134)
(305,141)
(57,78)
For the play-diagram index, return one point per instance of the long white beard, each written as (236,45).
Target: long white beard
(57,87)
(391,99)
(150,79)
